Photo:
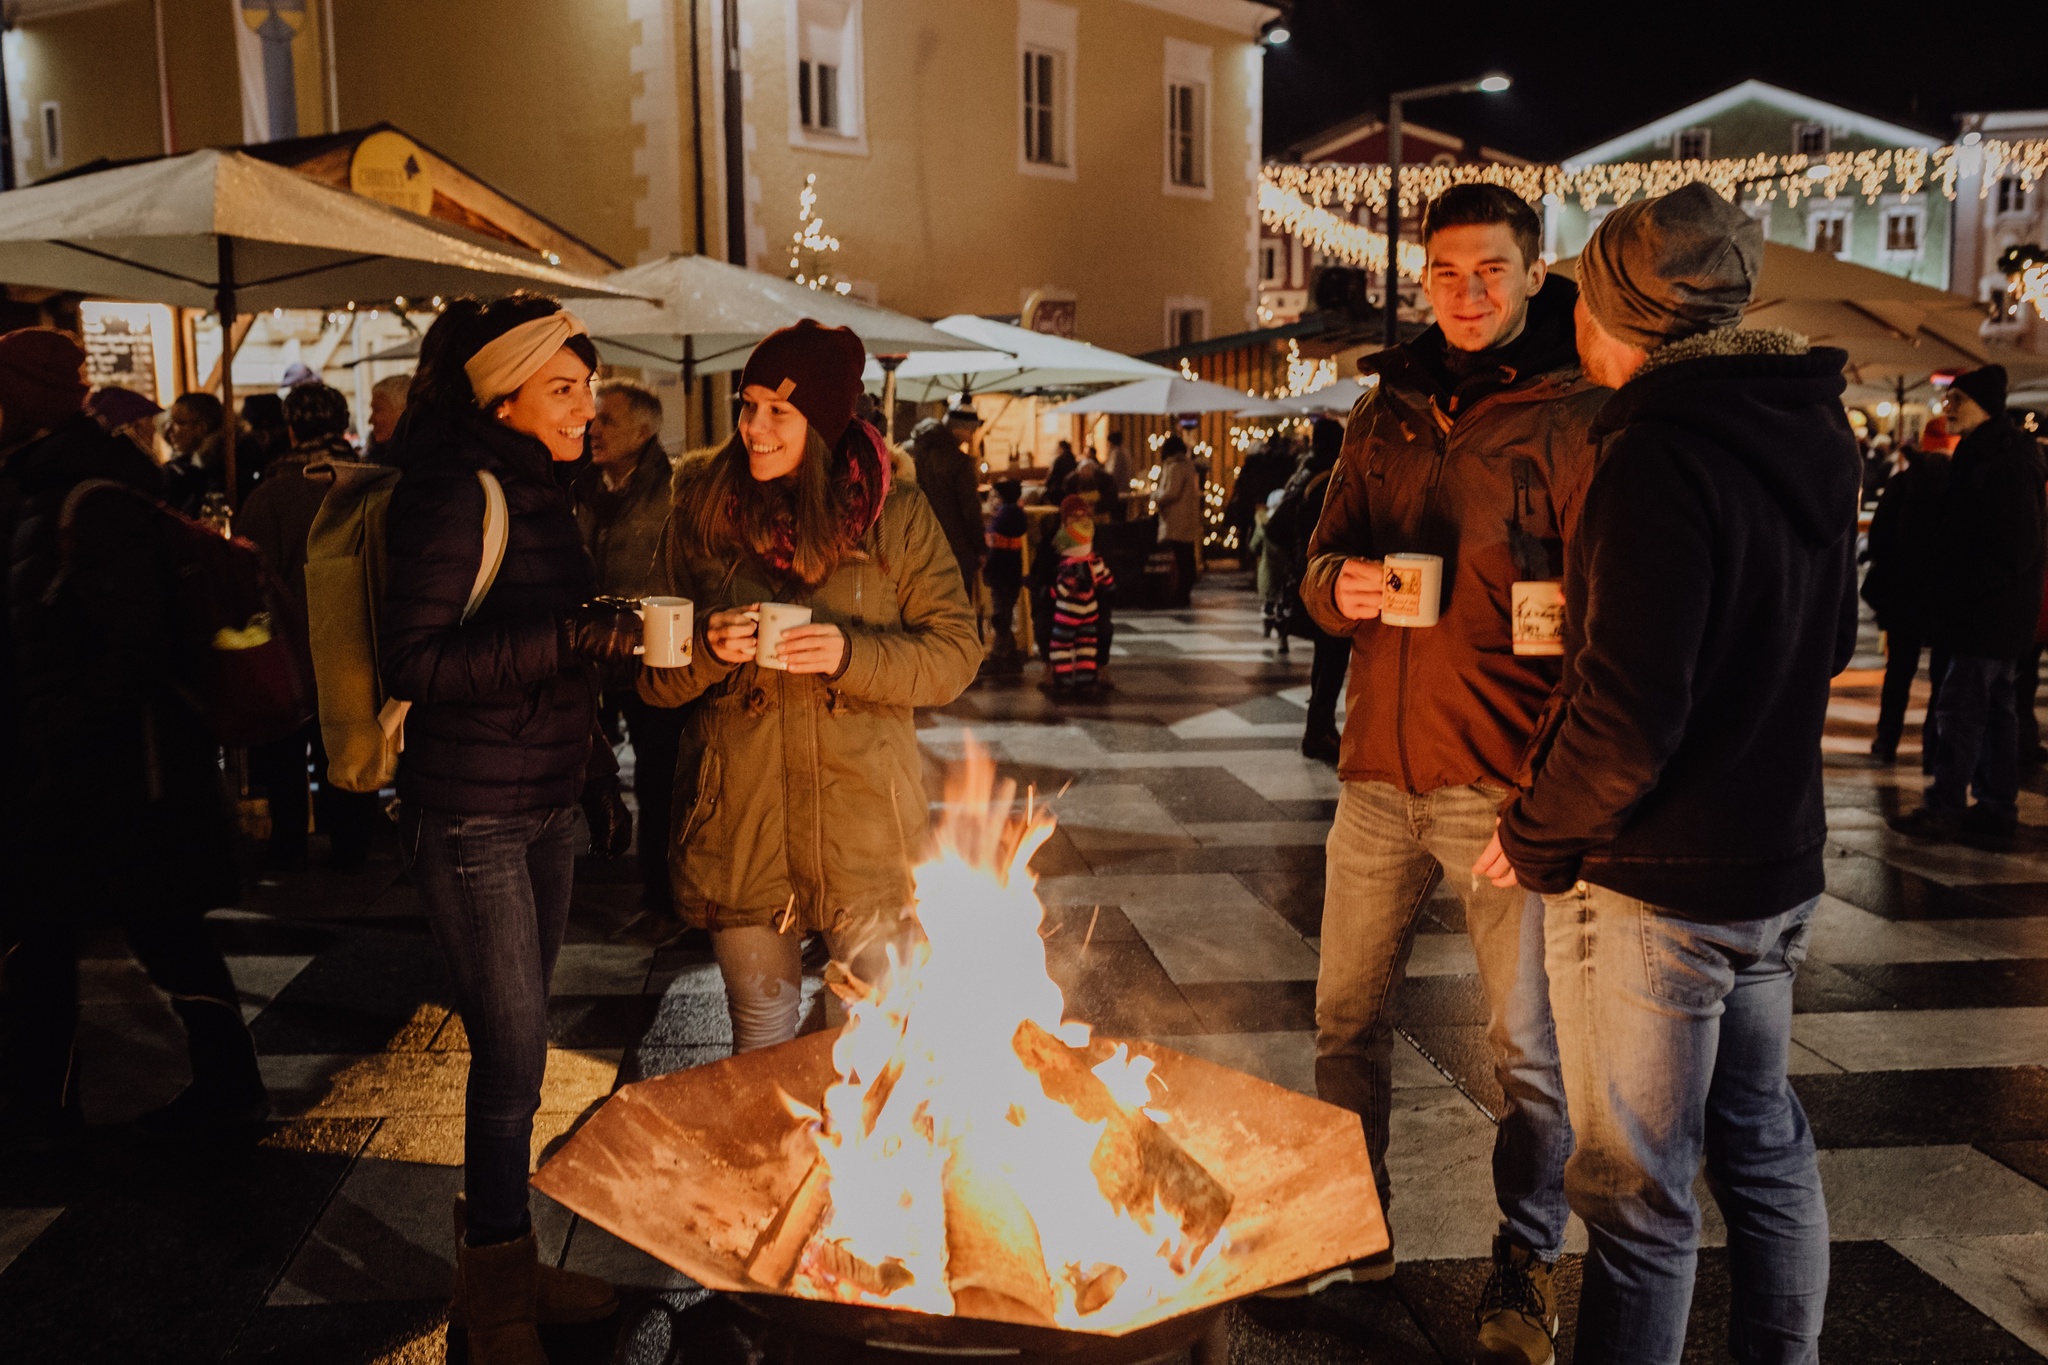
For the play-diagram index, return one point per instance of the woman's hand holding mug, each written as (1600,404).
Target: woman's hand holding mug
(815,648)
(1361,585)
(732,635)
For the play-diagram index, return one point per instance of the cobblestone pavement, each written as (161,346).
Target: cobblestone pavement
(1190,819)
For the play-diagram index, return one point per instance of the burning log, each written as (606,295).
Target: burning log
(780,1247)
(995,1264)
(1136,1163)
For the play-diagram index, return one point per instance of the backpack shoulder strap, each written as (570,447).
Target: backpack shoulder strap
(497,531)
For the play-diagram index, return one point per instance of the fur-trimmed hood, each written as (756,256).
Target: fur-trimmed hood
(1764,396)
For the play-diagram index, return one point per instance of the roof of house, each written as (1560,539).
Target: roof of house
(1371,124)
(1792,102)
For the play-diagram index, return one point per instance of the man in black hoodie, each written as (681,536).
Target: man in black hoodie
(1990,547)
(1671,810)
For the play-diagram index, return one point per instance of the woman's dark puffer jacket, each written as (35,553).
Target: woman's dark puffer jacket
(501,721)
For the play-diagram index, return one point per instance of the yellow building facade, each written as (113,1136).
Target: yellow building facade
(1098,156)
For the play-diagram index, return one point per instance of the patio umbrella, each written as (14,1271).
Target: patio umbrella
(703,316)
(1162,398)
(1010,360)
(221,230)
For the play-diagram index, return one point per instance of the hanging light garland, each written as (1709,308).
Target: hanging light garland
(810,244)
(1304,201)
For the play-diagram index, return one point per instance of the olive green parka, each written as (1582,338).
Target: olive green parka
(800,799)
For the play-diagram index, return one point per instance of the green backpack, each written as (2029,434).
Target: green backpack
(362,727)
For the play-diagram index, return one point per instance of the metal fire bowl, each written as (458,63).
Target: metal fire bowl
(870,1334)
(690,1167)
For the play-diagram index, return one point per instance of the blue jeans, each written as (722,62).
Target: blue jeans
(1977,741)
(1386,852)
(1673,1035)
(497,890)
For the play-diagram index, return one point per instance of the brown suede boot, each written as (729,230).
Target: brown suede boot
(496,1289)
(560,1296)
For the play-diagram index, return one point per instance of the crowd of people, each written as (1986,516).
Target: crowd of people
(1628,806)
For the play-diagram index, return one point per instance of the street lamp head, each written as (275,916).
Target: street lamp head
(1276,34)
(1493,85)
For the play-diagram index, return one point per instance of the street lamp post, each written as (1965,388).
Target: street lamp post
(1492,85)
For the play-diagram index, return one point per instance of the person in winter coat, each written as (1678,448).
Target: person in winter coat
(497,747)
(1266,469)
(947,475)
(1472,447)
(1178,502)
(801,790)
(278,517)
(1063,466)
(198,462)
(622,502)
(1899,586)
(1004,573)
(113,804)
(1291,526)
(1990,550)
(1671,812)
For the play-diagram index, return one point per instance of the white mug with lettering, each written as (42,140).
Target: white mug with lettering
(666,629)
(1537,617)
(774,618)
(1412,590)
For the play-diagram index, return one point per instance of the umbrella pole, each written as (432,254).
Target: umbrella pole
(889,364)
(690,384)
(224,305)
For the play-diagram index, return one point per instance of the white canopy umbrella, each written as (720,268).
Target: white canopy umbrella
(221,230)
(1009,360)
(703,316)
(1162,398)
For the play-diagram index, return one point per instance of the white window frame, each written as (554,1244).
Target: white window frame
(1178,305)
(2012,202)
(1759,211)
(1043,26)
(851,137)
(50,134)
(1272,262)
(1706,136)
(1909,208)
(1188,65)
(1843,216)
(1800,127)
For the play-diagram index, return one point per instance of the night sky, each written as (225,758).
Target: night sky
(1583,73)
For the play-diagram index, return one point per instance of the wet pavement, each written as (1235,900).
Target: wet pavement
(1184,890)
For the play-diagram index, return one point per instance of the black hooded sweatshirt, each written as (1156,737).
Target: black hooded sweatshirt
(1710,597)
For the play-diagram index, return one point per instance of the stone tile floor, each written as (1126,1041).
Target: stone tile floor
(1183,893)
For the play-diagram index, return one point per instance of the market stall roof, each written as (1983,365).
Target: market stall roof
(1011,360)
(707,315)
(182,229)
(1166,397)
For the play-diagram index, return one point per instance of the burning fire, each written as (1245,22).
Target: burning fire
(978,1154)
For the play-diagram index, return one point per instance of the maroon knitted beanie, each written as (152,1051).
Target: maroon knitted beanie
(42,381)
(821,366)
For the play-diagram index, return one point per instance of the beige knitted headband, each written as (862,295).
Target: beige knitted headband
(507,361)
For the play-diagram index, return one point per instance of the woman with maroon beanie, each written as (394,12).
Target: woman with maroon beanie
(800,793)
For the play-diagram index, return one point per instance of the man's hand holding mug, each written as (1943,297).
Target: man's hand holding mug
(1361,584)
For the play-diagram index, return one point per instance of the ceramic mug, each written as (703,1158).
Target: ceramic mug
(1537,617)
(1412,590)
(774,618)
(667,625)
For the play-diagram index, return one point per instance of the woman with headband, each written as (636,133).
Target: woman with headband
(504,703)
(800,797)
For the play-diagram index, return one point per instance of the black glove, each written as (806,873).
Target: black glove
(604,630)
(611,824)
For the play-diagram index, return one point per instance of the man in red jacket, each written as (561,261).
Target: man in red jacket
(1472,447)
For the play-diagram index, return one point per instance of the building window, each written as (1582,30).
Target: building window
(1693,144)
(53,134)
(1810,139)
(1902,231)
(1269,261)
(1828,232)
(2012,193)
(1190,69)
(825,75)
(1046,45)
(1042,108)
(1759,211)
(1187,321)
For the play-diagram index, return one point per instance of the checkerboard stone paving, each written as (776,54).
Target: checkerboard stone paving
(1184,892)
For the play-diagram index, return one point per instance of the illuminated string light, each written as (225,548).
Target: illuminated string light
(1318,203)
(810,244)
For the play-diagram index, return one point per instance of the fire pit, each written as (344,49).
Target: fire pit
(959,1168)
